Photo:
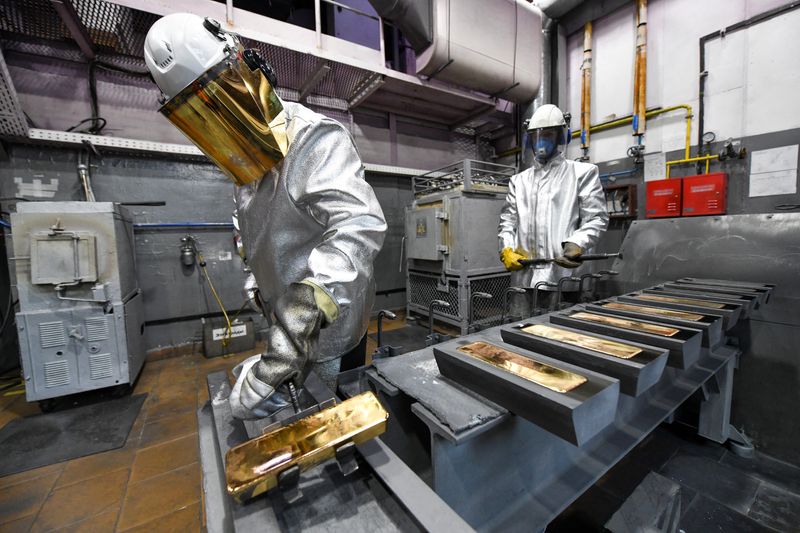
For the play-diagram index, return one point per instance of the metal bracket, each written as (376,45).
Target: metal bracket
(739,443)
(442,215)
(289,484)
(443,248)
(346,458)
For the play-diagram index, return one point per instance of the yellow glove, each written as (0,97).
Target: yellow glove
(326,304)
(511,258)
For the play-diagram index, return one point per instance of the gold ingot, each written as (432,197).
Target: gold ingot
(553,378)
(626,323)
(253,467)
(655,311)
(676,300)
(612,348)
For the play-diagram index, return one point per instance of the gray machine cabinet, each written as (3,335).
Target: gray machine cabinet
(451,242)
(81,322)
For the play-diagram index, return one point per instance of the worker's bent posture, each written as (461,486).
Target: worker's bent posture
(310,224)
(555,209)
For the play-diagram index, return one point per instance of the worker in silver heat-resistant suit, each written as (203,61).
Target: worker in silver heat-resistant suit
(309,223)
(555,209)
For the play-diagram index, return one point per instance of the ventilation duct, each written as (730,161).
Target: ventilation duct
(412,17)
(491,47)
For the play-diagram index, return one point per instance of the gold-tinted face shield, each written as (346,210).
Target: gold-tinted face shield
(233,115)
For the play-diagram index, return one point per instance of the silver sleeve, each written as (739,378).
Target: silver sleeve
(334,192)
(592,210)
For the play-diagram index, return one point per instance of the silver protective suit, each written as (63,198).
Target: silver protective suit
(315,217)
(547,205)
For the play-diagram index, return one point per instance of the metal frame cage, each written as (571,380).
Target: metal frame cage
(470,175)
(424,287)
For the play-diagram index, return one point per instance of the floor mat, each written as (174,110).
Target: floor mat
(407,338)
(42,440)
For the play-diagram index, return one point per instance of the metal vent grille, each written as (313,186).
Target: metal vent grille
(112,27)
(100,366)
(422,290)
(96,329)
(56,374)
(489,312)
(52,334)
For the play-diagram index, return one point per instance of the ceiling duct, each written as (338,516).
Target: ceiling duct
(491,47)
(412,17)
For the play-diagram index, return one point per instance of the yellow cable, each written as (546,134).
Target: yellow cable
(229,330)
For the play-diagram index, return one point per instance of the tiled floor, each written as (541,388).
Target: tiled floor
(151,484)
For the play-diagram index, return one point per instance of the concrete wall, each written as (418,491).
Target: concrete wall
(749,88)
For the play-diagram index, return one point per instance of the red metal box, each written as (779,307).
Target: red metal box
(663,198)
(705,194)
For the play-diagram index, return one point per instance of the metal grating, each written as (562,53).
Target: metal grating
(56,374)
(489,312)
(422,290)
(100,366)
(96,329)
(52,334)
(12,119)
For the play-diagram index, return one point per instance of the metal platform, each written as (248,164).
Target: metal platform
(382,495)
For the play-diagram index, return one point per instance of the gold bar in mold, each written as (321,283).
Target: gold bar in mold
(612,348)
(677,300)
(655,311)
(253,467)
(553,378)
(626,323)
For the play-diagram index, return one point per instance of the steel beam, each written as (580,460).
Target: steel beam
(67,12)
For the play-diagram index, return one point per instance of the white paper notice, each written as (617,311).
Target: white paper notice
(774,171)
(655,166)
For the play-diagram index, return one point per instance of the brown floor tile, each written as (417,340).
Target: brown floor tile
(184,520)
(164,457)
(160,496)
(25,498)
(135,434)
(168,428)
(77,502)
(21,525)
(102,523)
(96,465)
(202,395)
(27,475)
(172,405)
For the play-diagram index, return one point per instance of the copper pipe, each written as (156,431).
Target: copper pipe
(640,71)
(586,86)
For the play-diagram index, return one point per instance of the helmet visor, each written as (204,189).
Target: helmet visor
(545,142)
(230,113)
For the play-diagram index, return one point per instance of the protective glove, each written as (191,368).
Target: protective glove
(511,258)
(261,407)
(570,256)
(251,293)
(291,351)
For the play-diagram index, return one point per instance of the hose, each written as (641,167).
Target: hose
(202,262)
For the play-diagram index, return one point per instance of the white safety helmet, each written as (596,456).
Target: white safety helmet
(219,94)
(182,46)
(548,132)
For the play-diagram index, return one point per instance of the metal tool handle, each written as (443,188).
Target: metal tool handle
(381,314)
(584,257)
(434,303)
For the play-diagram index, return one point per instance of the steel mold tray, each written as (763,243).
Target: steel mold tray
(683,343)
(576,415)
(637,366)
(711,326)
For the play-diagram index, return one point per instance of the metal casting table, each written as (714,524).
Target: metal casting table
(502,473)
(382,495)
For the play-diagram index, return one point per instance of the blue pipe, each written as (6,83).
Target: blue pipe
(164,225)
(605,177)
(5,224)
